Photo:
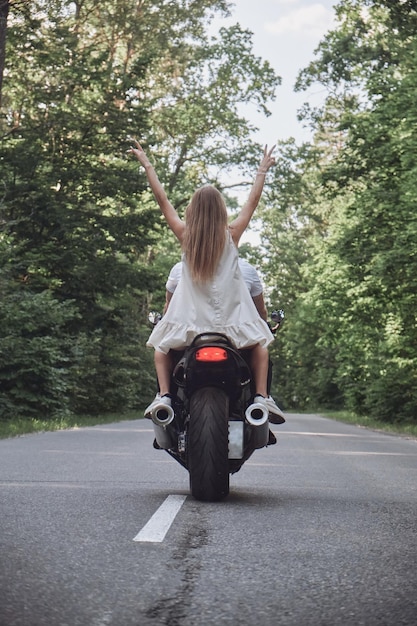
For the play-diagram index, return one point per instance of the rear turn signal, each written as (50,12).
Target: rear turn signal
(211,354)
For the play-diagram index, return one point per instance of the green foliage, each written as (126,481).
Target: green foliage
(112,371)
(350,338)
(70,215)
(83,251)
(35,352)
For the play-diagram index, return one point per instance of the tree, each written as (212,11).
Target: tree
(360,275)
(78,222)
(4,12)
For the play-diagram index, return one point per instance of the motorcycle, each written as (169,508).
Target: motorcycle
(213,426)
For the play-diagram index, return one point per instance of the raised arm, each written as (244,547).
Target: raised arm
(239,225)
(176,224)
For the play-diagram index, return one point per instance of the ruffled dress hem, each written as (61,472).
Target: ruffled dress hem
(168,335)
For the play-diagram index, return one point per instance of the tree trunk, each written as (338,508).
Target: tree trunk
(4,11)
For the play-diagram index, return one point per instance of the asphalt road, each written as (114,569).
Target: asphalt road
(319,530)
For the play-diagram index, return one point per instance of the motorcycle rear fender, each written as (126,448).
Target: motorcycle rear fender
(231,374)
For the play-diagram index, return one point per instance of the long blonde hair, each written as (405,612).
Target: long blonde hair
(205,232)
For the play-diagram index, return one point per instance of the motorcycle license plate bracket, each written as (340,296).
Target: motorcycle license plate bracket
(236,439)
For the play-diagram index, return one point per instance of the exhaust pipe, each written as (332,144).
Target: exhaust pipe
(256,414)
(162,414)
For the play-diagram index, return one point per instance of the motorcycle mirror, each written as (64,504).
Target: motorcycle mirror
(278,316)
(154,317)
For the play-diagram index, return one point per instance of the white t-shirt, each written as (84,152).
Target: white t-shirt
(249,273)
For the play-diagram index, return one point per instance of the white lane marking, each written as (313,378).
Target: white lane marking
(160,522)
(312,434)
(363,452)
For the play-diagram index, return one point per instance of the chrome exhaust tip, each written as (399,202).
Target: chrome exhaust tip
(256,414)
(162,414)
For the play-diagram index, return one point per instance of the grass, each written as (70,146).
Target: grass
(24,426)
(398,428)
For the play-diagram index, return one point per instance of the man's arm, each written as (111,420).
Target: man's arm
(260,306)
(168,297)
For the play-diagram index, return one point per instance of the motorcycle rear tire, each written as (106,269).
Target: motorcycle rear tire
(208,445)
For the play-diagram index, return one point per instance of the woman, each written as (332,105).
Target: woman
(211,295)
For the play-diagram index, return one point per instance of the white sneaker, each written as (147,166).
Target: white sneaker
(276,416)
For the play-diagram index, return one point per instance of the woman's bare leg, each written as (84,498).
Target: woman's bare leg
(259,364)
(163,366)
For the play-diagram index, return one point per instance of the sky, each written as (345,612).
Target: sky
(286,33)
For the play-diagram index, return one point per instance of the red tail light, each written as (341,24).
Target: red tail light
(211,354)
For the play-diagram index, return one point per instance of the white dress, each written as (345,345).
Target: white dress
(221,305)
(249,273)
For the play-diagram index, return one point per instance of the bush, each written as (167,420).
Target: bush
(35,350)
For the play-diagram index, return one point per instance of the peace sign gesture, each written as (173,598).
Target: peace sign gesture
(139,153)
(267,161)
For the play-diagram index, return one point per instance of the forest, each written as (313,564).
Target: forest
(84,253)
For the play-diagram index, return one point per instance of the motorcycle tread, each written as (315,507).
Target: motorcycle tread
(208,444)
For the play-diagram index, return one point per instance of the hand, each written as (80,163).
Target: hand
(139,153)
(268,160)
